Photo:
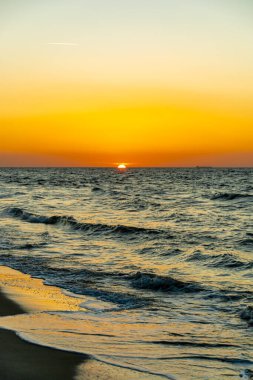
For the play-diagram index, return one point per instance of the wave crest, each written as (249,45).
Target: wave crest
(162,283)
(247,315)
(230,196)
(225,260)
(81,226)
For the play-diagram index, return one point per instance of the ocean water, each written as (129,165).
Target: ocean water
(161,259)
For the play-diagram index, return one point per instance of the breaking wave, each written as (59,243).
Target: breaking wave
(81,226)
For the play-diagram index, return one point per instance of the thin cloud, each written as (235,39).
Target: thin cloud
(63,43)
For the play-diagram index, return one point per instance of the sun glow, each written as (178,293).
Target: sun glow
(122,166)
(98,85)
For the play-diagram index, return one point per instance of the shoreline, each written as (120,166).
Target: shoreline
(22,360)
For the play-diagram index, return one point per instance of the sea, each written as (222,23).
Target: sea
(160,258)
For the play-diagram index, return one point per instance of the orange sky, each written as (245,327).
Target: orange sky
(136,85)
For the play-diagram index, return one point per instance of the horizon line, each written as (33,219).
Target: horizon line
(128,167)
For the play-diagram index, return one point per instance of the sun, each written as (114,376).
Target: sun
(122,166)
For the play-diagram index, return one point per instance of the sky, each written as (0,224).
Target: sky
(146,83)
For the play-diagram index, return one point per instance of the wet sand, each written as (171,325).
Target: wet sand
(20,360)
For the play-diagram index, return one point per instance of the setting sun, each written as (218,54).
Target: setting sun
(121,166)
(126,175)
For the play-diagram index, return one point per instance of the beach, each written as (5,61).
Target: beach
(126,190)
(20,360)
(23,297)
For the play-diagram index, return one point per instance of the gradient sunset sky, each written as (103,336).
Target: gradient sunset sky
(147,83)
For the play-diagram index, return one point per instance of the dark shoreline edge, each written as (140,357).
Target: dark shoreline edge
(22,360)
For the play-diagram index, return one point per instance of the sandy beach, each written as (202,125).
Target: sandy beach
(24,297)
(20,360)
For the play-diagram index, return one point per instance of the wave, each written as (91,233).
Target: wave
(225,260)
(247,315)
(95,283)
(232,360)
(228,261)
(124,301)
(92,228)
(230,196)
(138,280)
(193,344)
(22,247)
(155,282)
(3,196)
(198,256)
(84,282)
(246,242)
(97,189)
